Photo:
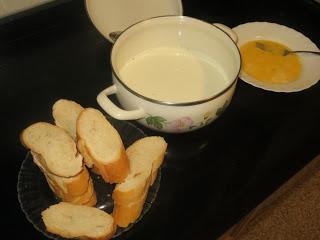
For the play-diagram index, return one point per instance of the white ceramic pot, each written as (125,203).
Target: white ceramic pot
(177,108)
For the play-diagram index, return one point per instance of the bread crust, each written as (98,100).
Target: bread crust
(155,167)
(112,172)
(92,201)
(106,237)
(88,198)
(116,171)
(127,197)
(77,189)
(124,214)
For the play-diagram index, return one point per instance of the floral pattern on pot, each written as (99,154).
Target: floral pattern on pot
(184,123)
(156,121)
(181,124)
(177,125)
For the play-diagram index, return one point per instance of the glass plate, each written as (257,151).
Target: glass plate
(35,195)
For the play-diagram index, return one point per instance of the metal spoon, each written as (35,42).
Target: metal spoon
(287,52)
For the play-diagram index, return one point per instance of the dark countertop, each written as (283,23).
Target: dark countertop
(211,177)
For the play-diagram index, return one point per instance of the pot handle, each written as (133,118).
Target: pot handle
(114,111)
(232,34)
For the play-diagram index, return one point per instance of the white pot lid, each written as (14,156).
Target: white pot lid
(116,15)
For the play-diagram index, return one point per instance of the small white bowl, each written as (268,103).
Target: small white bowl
(289,37)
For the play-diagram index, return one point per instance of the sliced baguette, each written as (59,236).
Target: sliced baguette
(88,198)
(92,200)
(124,214)
(78,189)
(76,221)
(99,141)
(66,187)
(140,185)
(145,156)
(65,113)
(55,145)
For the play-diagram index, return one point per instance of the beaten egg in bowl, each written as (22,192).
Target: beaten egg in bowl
(265,62)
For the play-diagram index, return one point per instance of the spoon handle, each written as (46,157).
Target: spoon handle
(313,52)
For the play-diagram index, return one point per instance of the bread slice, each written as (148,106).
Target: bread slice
(92,200)
(78,189)
(76,221)
(124,214)
(55,145)
(86,156)
(146,156)
(88,198)
(68,187)
(100,142)
(65,113)
(138,186)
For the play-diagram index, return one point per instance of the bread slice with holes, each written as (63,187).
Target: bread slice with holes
(99,141)
(146,156)
(58,150)
(76,221)
(65,114)
(53,151)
